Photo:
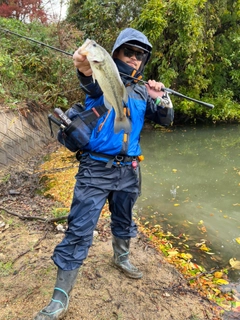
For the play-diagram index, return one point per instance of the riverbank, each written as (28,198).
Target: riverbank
(101,292)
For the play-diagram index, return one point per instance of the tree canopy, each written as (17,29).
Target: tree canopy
(24,10)
(196,47)
(196,44)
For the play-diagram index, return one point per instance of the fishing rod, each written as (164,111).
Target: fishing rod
(208,105)
(38,42)
(205,104)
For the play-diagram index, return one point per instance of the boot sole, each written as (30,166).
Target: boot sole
(129,275)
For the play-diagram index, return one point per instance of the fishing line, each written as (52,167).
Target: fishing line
(208,105)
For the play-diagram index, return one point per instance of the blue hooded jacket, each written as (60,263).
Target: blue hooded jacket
(103,139)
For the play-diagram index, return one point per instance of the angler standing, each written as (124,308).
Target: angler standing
(109,167)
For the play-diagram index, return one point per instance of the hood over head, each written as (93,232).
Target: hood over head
(134,38)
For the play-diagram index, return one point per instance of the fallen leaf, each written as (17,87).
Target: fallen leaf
(186,256)
(218,274)
(173,253)
(204,248)
(222,281)
(234,263)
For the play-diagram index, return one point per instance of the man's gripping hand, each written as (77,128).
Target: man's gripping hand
(82,64)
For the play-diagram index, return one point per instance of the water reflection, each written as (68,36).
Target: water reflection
(191,185)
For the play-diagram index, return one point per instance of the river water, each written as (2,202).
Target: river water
(191,185)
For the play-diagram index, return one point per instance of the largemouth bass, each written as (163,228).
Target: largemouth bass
(106,73)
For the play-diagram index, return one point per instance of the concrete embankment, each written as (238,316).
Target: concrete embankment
(23,133)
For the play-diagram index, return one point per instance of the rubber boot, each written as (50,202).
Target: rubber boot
(120,258)
(59,304)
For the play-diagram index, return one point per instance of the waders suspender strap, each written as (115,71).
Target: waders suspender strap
(125,135)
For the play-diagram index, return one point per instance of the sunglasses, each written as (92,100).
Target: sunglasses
(130,52)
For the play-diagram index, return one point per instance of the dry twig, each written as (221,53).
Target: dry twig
(50,220)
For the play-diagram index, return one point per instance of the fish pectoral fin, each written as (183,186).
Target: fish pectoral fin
(107,104)
(125,94)
(94,77)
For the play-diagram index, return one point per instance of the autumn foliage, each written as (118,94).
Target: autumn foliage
(24,10)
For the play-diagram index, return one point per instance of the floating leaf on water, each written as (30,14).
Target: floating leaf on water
(176,204)
(203,229)
(234,263)
(174,170)
(204,247)
(200,243)
(238,240)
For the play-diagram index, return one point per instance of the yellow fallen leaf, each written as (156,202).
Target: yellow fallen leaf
(174,170)
(176,204)
(217,291)
(238,240)
(222,281)
(172,253)
(186,256)
(234,263)
(204,247)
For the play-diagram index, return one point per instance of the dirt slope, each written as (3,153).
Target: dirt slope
(27,274)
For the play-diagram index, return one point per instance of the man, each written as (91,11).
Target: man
(109,167)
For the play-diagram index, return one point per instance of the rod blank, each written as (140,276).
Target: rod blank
(208,105)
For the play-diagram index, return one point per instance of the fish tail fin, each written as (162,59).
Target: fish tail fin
(122,124)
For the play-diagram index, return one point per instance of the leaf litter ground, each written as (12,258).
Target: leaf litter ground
(101,292)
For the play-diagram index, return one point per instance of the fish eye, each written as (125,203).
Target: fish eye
(94,44)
